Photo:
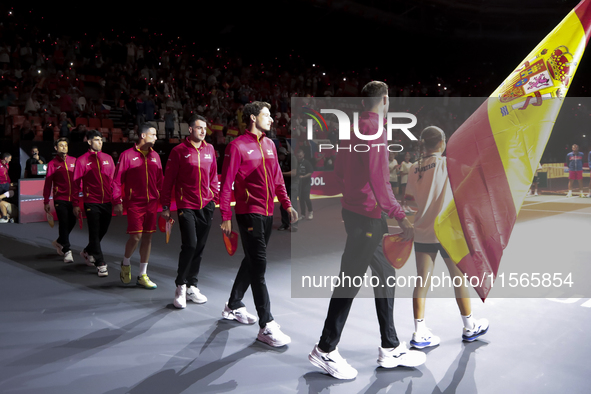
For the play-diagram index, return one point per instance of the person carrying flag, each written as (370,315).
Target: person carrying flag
(250,164)
(139,170)
(192,170)
(93,177)
(59,179)
(428,183)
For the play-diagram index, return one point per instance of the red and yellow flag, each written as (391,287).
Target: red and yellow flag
(492,157)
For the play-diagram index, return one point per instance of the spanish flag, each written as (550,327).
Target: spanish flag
(493,156)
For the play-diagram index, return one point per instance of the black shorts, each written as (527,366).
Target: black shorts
(4,187)
(393,184)
(535,179)
(431,248)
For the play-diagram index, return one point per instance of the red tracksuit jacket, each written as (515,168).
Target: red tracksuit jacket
(194,173)
(251,165)
(60,175)
(141,175)
(365,176)
(4,178)
(93,177)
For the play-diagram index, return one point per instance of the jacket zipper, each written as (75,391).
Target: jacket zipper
(266,184)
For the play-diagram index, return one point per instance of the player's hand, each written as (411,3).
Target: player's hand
(226,227)
(46,208)
(293,215)
(165,214)
(118,209)
(76,211)
(408,231)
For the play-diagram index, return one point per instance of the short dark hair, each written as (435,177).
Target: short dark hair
(34,147)
(374,91)
(145,127)
(6,154)
(254,108)
(90,134)
(62,139)
(195,118)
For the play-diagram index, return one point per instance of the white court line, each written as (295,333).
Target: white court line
(545,210)
(545,202)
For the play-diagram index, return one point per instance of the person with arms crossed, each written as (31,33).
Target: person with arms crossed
(250,163)
(93,177)
(59,179)
(139,170)
(34,159)
(367,199)
(192,170)
(428,183)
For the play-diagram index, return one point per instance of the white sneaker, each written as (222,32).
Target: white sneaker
(102,270)
(569,194)
(400,357)
(58,248)
(480,328)
(310,216)
(68,258)
(240,315)
(193,294)
(87,258)
(536,194)
(272,335)
(332,363)
(180,297)
(424,339)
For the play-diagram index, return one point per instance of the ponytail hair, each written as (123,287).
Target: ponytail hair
(430,137)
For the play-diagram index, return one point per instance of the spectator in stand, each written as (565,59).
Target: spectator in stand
(393,167)
(149,109)
(34,159)
(169,120)
(64,124)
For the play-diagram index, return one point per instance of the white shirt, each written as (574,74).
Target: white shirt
(431,193)
(393,171)
(404,169)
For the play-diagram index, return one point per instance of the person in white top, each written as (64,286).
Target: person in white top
(429,184)
(403,169)
(393,166)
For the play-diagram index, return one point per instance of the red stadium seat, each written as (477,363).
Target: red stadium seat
(107,123)
(18,120)
(80,121)
(94,123)
(117,135)
(12,110)
(104,132)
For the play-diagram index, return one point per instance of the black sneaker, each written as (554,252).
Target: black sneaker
(283,227)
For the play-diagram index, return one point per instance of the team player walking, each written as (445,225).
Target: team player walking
(252,173)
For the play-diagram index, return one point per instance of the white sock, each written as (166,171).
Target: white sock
(143,268)
(126,261)
(420,325)
(468,321)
